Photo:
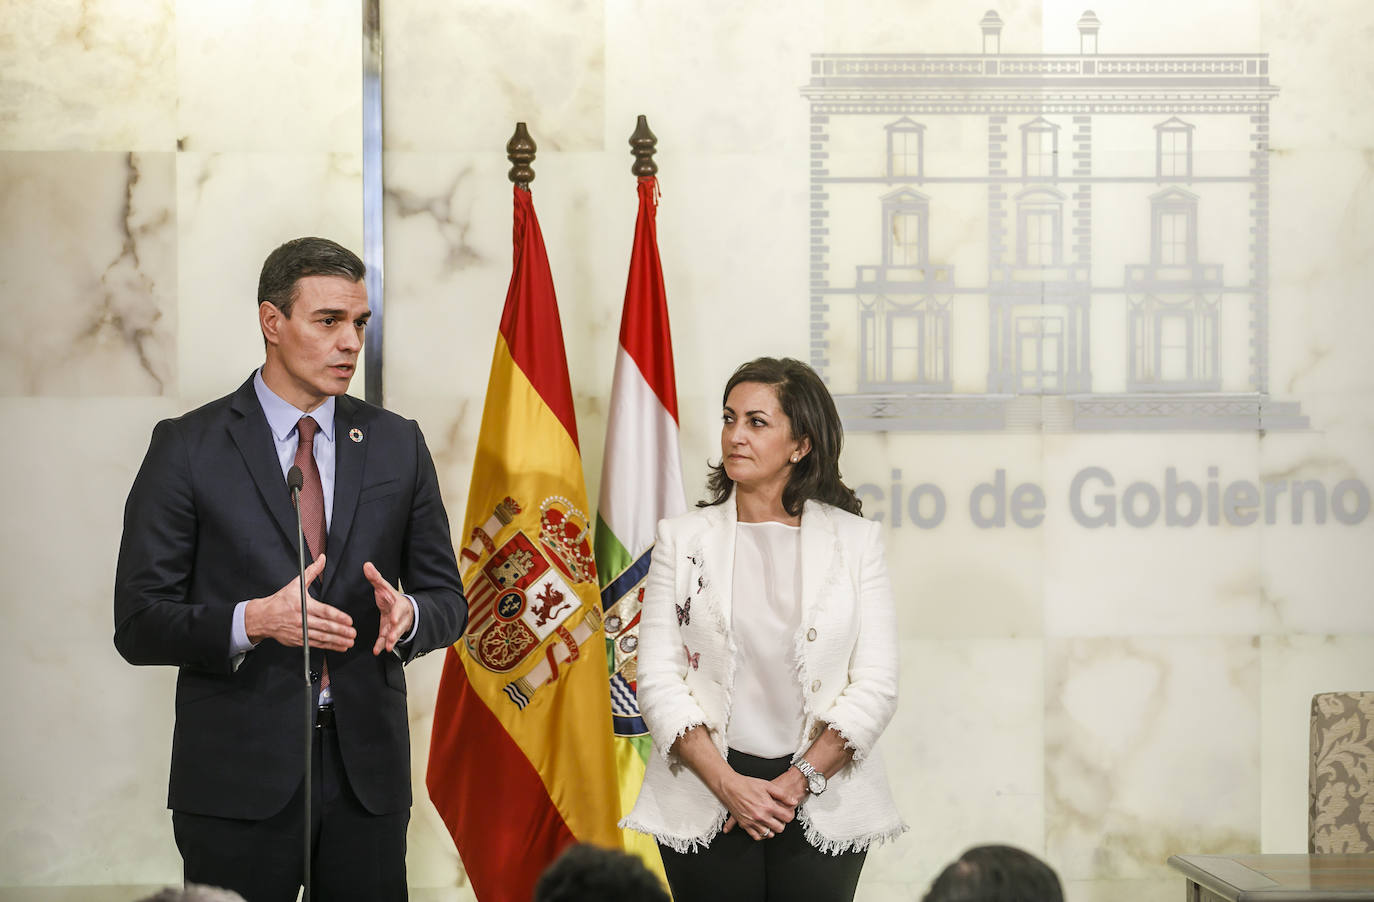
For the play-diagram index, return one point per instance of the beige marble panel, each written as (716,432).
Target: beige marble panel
(1174,26)
(1316,575)
(1151,749)
(448,264)
(895,26)
(1321,264)
(955,576)
(1295,668)
(87,75)
(431,859)
(233,209)
(1117,578)
(459,76)
(1319,56)
(963,755)
(734,248)
(441,893)
(83,768)
(713,76)
(87,274)
(1161,889)
(269,75)
(874,891)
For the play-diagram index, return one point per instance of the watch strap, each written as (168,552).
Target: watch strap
(815,780)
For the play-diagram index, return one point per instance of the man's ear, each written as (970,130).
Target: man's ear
(269,318)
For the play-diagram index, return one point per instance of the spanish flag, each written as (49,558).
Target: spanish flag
(641,482)
(520,760)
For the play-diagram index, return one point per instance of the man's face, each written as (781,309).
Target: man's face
(312,354)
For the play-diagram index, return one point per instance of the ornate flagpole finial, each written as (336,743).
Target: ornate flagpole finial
(520,151)
(643,144)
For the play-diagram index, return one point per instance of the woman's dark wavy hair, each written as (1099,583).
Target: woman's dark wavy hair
(807,403)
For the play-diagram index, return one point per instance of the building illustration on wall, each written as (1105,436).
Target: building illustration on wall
(1058,241)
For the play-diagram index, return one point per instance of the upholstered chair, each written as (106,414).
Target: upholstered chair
(1340,779)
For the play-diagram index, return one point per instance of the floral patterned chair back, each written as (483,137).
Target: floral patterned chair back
(1340,779)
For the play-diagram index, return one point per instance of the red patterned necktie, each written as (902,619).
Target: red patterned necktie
(311,499)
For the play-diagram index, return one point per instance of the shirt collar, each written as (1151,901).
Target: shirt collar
(282,416)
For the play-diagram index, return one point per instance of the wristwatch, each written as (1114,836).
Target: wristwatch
(815,780)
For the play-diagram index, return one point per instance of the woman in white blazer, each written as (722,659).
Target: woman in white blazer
(768,661)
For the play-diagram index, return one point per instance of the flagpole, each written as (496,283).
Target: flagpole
(643,144)
(520,151)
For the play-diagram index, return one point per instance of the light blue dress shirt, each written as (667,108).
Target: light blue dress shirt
(282,420)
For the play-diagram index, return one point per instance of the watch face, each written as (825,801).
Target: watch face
(816,782)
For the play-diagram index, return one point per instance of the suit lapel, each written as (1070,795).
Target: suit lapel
(717,551)
(349,458)
(819,557)
(253,438)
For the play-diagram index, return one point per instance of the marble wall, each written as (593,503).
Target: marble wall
(1104,696)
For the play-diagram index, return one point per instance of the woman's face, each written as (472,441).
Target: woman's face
(756,443)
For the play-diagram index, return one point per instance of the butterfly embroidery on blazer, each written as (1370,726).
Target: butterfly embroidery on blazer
(695,560)
(684,612)
(693,660)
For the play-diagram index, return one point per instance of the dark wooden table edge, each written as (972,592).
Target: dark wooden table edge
(1215,884)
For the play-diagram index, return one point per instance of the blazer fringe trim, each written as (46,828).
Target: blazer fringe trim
(679,844)
(861,843)
(666,752)
(687,844)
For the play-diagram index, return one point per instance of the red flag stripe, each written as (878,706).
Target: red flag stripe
(644,331)
(479,778)
(530,323)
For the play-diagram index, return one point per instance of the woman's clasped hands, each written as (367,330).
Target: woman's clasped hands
(761,807)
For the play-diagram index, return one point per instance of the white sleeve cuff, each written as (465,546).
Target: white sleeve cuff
(414,626)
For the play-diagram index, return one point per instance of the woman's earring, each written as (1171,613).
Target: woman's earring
(796,457)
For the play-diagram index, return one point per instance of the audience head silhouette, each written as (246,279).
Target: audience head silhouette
(586,873)
(996,874)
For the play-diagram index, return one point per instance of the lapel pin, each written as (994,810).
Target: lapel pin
(356,434)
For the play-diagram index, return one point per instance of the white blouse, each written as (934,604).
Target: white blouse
(766,719)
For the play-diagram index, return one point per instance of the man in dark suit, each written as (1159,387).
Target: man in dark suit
(206,581)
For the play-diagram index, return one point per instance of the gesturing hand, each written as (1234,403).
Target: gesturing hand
(278,616)
(397,614)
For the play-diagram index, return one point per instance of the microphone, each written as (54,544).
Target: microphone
(294,481)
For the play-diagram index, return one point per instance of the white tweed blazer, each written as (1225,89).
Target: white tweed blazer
(844,655)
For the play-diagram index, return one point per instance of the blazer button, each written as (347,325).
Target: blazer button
(815,732)
(811,635)
(815,685)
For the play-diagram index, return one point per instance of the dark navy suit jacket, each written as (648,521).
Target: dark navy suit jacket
(209,523)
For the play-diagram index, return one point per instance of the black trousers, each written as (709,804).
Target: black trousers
(736,868)
(355,855)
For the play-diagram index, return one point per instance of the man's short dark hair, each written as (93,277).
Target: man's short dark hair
(586,873)
(303,257)
(996,874)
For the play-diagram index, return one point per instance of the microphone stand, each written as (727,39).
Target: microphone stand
(295,479)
